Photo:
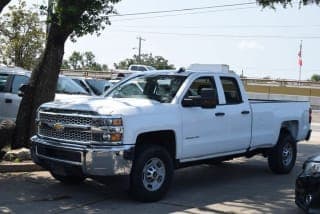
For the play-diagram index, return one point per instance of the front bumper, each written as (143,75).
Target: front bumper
(90,160)
(308,186)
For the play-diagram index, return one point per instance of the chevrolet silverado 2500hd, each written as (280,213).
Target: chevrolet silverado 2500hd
(154,122)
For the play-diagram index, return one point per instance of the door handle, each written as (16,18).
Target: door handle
(219,114)
(8,100)
(245,112)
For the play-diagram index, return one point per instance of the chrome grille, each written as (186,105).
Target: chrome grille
(48,120)
(64,119)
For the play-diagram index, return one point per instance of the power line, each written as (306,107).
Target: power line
(182,14)
(182,10)
(220,26)
(223,35)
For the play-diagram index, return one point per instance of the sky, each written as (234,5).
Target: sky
(259,42)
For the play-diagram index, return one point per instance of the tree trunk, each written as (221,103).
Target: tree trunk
(42,85)
(3,3)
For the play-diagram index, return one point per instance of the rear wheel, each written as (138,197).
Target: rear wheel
(282,157)
(151,174)
(68,179)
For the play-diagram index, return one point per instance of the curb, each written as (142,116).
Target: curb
(26,166)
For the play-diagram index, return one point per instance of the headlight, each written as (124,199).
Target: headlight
(312,168)
(110,129)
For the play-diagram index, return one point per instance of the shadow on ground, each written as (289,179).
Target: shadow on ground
(238,186)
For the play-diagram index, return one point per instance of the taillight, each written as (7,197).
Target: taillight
(310,115)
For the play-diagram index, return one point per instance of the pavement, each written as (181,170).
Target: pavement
(238,186)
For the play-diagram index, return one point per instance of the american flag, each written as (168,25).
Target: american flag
(300,55)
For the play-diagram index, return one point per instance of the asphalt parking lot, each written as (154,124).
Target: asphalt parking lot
(238,186)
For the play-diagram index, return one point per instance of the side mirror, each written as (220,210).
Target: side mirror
(106,87)
(22,90)
(208,98)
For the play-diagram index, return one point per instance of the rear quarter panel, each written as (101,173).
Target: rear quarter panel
(268,118)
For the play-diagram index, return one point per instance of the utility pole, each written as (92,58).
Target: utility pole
(300,61)
(139,49)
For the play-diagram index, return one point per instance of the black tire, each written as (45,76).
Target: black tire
(282,157)
(68,179)
(146,186)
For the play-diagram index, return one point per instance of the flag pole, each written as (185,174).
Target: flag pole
(300,62)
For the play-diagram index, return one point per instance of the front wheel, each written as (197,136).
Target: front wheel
(151,173)
(282,157)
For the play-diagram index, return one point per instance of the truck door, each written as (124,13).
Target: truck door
(5,81)
(201,129)
(13,105)
(236,123)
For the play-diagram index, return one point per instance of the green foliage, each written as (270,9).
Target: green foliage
(285,3)
(158,62)
(21,36)
(93,15)
(83,61)
(315,77)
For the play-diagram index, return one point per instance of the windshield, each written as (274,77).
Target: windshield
(68,86)
(162,88)
(98,86)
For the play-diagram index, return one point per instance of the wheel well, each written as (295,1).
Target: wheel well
(291,127)
(165,138)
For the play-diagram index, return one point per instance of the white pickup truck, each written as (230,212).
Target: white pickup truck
(154,122)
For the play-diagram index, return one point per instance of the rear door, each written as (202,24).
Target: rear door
(12,107)
(5,80)
(236,114)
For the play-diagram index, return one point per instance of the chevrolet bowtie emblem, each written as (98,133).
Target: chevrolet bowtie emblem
(58,127)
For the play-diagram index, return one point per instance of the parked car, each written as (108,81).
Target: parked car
(141,68)
(171,120)
(308,186)
(11,79)
(95,87)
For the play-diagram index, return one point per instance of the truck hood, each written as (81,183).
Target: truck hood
(105,106)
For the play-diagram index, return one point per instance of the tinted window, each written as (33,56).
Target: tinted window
(198,84)
(97,85)
(81,84)
(162,88)
(134,68)
(3,82)
(140,68)
(231,90)
(17,82)
(68,86)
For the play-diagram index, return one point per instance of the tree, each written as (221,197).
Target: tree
(89,60)
(285,3)
(65,64)
(3,3)
(76,60)
(85,61)
(69,18)
(158,62)
(21,36)
(315,77)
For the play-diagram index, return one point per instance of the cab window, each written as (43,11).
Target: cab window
(200,83)
(231,90)
(4,79)
(18,81)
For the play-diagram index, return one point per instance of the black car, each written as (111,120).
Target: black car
(308,186)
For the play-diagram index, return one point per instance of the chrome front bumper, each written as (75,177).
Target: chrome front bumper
(93,160)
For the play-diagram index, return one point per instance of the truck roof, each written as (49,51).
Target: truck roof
(180,72)
(17,71)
